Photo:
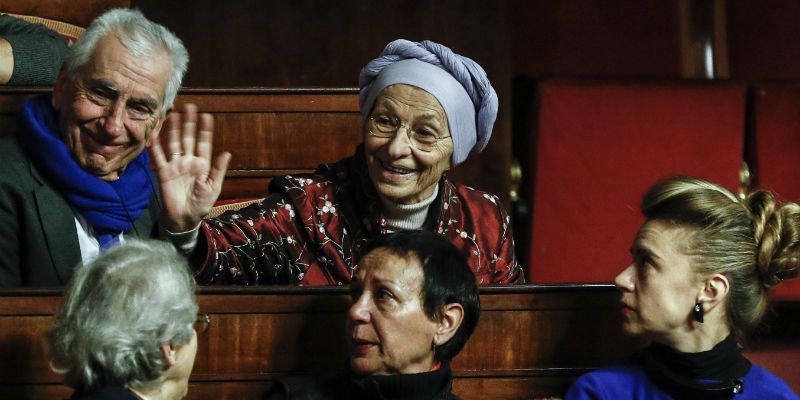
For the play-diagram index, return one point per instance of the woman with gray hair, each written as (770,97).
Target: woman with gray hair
(424,110)
(125,330)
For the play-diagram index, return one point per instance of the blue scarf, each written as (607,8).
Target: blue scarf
(109,207)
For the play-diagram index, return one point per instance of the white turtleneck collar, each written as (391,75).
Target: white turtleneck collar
(402,217)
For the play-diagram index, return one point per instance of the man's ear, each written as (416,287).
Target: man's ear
(170,353)
(714,291)
(450,319)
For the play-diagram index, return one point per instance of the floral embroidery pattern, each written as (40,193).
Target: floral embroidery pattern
(305,232)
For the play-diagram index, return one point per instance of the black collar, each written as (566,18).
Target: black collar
(712,374)
(422,386)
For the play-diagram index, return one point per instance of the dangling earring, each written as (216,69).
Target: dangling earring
(697,312)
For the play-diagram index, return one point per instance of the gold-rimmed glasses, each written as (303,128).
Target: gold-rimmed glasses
(384,126)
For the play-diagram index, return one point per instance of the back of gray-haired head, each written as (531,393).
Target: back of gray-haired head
(118,311)
(142,37)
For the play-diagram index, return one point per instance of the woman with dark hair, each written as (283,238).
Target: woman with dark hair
(415,304)
(424,110)
(703,263)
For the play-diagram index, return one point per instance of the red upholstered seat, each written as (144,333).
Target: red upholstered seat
(775,158)
(601,145)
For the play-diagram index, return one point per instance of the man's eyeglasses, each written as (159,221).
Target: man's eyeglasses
(201,323)
(383,126)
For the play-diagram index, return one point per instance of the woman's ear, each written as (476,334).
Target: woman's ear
(450,319)
(170,353)
(714,291)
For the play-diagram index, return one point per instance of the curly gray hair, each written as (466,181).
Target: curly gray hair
(142,37)
(118,311)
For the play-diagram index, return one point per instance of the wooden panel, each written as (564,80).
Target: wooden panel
(466,388)
(274,132)
(286,140)
(531,341)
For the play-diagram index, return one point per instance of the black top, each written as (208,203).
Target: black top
(712,374)
(434,385)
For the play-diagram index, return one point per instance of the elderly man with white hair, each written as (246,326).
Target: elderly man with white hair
(76,178)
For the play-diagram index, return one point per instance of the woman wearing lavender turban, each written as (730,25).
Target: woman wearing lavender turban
(424,110)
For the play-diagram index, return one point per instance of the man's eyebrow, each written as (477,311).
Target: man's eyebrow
(108,85)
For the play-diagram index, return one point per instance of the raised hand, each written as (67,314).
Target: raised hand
(190,182)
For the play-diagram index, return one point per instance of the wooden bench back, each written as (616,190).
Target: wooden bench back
(531,341)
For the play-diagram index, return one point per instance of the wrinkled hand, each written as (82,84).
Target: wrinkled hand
(190,183)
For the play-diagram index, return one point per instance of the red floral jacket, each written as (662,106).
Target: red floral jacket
(311,230)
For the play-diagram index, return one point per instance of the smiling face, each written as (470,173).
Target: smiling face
(660,286)
(399,171)
(110,110)
(387,330)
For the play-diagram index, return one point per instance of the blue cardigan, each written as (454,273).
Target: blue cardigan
(628,380)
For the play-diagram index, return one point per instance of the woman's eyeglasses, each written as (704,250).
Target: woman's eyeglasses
(383,126)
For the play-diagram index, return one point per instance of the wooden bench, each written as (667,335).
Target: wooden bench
(531,341)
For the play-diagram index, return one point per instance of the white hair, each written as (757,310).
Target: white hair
(142,37)
(118,311)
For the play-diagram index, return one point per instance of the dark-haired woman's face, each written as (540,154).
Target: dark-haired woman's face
(388,331)
(659,287)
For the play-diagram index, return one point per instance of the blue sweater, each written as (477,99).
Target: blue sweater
(628,380)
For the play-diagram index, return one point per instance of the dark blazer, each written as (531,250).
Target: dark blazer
(433,385)
(111,392)
(38,239)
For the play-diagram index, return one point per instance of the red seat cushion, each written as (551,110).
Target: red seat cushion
(601,145)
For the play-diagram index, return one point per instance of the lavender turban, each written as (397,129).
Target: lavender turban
(458,83)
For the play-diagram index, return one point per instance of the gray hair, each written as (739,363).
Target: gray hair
(753,241)
(142,37)
(118,311)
